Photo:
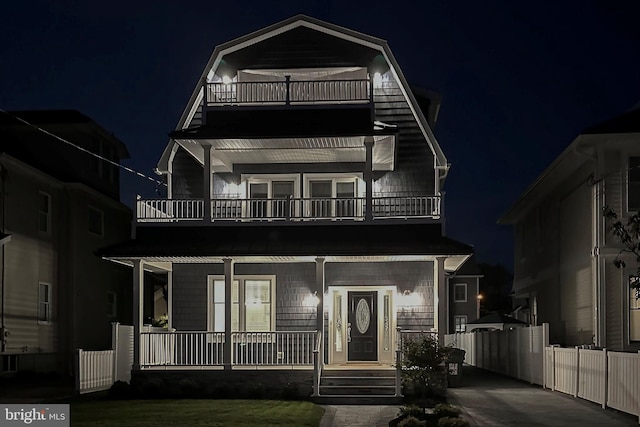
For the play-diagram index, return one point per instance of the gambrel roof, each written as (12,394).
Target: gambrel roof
(245,50)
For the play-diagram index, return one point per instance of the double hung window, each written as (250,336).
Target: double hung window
(252,304)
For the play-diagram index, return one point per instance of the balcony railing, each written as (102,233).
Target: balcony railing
(195,348)
(291,209)
(288,92)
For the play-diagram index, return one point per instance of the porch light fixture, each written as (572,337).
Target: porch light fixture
(226,80)
(312,300)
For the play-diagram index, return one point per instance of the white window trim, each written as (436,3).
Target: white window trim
(335,178)
(241,306)
(248,179)
(466,293)
(625,184)
(101,234)
(48,213)
(460,317)
(49,305)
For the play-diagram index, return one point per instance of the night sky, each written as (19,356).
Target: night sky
(519,80)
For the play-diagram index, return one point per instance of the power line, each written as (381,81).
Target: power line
(128,169)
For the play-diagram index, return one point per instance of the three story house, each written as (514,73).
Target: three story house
(303,231)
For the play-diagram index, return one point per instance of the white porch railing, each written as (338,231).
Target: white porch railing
(291,209)
(273,348)
(181,348)
(197,348)
(168,210)
(288,92)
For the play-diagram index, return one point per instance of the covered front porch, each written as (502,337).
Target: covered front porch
(296,309)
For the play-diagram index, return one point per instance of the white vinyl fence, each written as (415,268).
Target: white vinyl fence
(517,352)
(98,370)
(610,379)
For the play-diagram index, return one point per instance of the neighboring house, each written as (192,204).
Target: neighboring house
(464,294)
(304,212)
(59,205)
(564,252)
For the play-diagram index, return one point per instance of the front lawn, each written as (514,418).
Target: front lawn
(196,412)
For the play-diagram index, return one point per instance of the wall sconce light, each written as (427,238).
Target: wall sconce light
(312,300)
(226,80)
(408,299)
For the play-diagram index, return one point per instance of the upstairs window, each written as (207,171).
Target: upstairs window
(44,212)
(633,185)
(460,292)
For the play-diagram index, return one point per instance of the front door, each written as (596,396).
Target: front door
(362,327)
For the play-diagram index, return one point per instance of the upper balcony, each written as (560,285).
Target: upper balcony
(288,93)
(290,210)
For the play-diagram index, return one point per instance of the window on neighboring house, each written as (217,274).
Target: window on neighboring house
(96,221)
(634,310)
(633,185)
(44,302)
(252,304)
(460,323)
(44,212)
(112,304)
(460,292)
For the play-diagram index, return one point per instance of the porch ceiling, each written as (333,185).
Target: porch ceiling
(230,151)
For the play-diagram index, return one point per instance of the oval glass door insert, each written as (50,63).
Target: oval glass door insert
(363,316)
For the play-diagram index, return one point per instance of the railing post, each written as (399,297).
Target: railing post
(205,100)
(287,83)
(78,369)
(368,177)
(287,208)
(398,363)
(316,370)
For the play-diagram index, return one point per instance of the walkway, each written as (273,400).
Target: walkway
(494,400)
(358,416)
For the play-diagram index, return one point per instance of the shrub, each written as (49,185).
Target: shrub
(412,411)
(412,422)
(423,365)
(452,422)
(445,410)
(120,390)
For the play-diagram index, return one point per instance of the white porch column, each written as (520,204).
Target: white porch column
(206,189)
(170,298)
(138,310)
(320,290)
(368,177)
(441,304)
(228,282)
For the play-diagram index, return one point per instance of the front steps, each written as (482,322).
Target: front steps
(358,387)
